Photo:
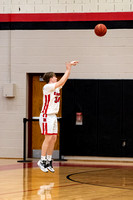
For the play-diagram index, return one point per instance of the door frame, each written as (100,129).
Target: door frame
(30,85)
(30,78)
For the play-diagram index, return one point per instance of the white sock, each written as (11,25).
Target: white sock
(49,157)
(43,158)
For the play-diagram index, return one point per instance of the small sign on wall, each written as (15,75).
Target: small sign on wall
(79,118)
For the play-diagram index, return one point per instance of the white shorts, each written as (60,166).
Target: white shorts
(48,124)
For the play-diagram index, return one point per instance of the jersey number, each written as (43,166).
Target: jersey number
(57,99)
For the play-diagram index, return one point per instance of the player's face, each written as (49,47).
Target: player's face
(54,79)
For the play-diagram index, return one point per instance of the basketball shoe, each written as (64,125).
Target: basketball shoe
(42,164)
(50,166)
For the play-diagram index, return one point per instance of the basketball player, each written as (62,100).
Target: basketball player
(48,119)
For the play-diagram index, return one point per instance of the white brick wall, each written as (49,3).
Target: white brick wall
(106,7)
(56,6)
(34,2)
(7,2)
(17,2)
(122,7)
(74,8)
(42,9)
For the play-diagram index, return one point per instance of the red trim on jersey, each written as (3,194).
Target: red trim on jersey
(52,133)
(58,17)
(45,104)
(45,108)
(48,100)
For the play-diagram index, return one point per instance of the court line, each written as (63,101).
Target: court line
(95,165)
(17,166)
(99,185)
(60,164)
(21,166)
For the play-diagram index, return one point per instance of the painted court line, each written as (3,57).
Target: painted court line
(60,164)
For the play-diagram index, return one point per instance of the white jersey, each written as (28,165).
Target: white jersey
(51,99)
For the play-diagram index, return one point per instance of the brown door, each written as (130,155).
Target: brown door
(35,138)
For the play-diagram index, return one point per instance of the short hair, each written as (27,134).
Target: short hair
(46,77)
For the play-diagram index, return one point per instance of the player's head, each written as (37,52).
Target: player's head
(50,77)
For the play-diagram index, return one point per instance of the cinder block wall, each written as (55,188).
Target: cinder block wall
(59,6)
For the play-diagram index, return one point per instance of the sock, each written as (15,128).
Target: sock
(49,157)
(43,158)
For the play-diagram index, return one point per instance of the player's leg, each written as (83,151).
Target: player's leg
(42,163)
(54,132)
(50,152)
(49,129)
(48,145)
(45,146)
(52,142)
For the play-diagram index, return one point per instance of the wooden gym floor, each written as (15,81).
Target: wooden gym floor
(72,180)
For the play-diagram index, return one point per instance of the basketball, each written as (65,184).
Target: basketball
(100,30)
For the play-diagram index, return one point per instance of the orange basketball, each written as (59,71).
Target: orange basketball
(100,30)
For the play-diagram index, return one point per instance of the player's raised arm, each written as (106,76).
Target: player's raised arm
(64,78)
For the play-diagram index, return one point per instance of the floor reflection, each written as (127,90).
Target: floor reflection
(45,191)
(39,185)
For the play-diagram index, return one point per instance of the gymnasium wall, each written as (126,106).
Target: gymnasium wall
(64,6)
(34,49)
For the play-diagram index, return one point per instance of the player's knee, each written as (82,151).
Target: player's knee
(51,138)
(54,137)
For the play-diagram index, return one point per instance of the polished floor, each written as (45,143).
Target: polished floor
(72,180)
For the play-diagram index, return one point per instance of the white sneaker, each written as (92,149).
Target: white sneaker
(42,165)
(50,166)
